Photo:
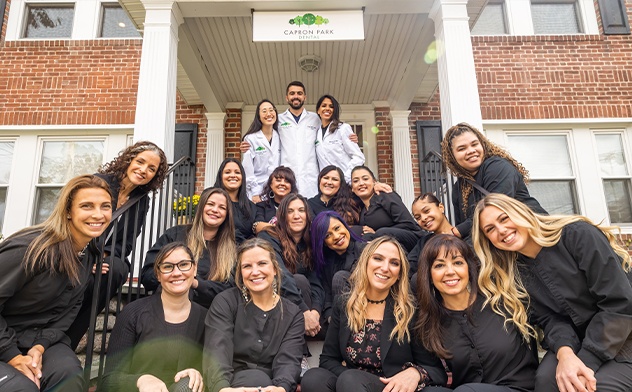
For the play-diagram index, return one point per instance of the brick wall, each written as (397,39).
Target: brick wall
(4,22)
(384,140)
(542,77)
(232,133)
(429,111)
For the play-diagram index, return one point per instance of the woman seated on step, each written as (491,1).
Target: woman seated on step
(211,238)
(156,343)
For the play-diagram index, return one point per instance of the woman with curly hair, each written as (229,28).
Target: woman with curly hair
(291,241)
(231,177)
(567,276)
(484,353)
(137,170)
(369,346)
(334,194)
(281,183)
(211,238)
(481,167)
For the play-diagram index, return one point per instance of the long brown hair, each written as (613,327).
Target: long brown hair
(428,327)
(292,258)
(52,249)
(489,149)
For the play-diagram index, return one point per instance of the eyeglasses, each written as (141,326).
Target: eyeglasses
(183,265)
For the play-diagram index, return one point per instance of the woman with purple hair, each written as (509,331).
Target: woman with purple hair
(335,251)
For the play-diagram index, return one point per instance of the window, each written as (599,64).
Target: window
(555,17)
(547,159)
(49,21)
(613,168)
(115,23)
(61,160)
(6,159)
(357,129)
(491,21)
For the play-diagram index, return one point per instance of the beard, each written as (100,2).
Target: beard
(296,104)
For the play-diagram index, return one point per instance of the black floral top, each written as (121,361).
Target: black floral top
(363,348)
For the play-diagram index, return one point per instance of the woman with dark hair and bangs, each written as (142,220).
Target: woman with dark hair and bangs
(264,149)
(334,194)
(484,353)
(290,238)
(231,177)
(336,250)
(211,238)
(333,143)
(281,183)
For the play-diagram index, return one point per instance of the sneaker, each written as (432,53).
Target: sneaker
(304,365)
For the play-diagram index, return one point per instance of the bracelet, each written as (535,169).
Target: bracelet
(254,227)
(424,377)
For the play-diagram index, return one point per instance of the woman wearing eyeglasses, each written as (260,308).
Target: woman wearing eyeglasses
(156,344)
(211,238)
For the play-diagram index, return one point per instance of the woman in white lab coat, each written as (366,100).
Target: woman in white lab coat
(333,146)
(264,154)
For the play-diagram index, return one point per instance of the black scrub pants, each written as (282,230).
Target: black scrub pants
(352,380)
(472,387)
(61,372)
(406,238)
(252,378)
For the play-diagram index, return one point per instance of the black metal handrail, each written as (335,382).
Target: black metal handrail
(435,180)
(178,185)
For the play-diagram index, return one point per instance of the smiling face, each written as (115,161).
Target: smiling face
(337,237)
(362,183)
(296,217)
(428,215)
(231,177)
(383,269)
(504,234)
(177,282)
(267,114)
(257,270)
(468,151)
(329,185)
(215,211)
(89,214)
(296,97)
(326,110)
(280,188)
(142,168)
(450,276)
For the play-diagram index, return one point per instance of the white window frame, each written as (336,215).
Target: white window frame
(97,26)
(14,163)
(506,19)
(520,21)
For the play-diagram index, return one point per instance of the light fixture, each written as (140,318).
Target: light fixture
(309,62)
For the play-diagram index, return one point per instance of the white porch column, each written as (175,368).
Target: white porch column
(214,146)
(402,160)
(455,61)
(156,101)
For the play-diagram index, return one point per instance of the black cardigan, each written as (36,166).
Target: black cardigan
(388,210)
(394,355)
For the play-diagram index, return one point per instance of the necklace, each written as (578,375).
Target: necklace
(376,302)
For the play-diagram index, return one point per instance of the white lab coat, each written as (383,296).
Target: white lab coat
(336,149)
(298,151)
(260,161)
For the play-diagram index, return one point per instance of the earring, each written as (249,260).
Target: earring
(434,291)
(244,293)
(271,195)
(275,287)
(469,287)
(67,216)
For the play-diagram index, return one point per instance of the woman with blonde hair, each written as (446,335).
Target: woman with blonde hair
(481,167)
(211,238)
(567,276)
(369,346)
(254,337)
(43,276)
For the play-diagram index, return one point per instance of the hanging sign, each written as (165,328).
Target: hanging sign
(307,26)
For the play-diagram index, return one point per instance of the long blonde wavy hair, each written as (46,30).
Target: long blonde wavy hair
(499,279)
(357,303)
(223,248)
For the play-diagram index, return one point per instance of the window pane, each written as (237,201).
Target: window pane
(49,21)
(46,198)
(6,159)
(555,18)
(3,204)
(115,23)
(64,160)
(545,156)
(491,21)
(618,200)
(556,197)
(611,156)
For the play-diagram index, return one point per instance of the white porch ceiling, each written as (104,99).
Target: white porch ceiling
(221,63)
